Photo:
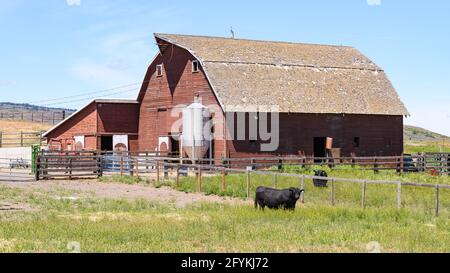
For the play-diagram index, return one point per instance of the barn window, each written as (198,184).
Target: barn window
(356,142)
(159,70)
(195,67)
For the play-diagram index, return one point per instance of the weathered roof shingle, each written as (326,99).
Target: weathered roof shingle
(298,78)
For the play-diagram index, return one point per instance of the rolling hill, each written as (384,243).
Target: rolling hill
(412,133)
(32,113)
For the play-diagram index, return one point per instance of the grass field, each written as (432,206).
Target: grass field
(414,147)
(48,223)
(101,225)
(15,126)
(347,194)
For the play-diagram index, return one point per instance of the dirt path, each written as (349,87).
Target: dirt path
(91,188)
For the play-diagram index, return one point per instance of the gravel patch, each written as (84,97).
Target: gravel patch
(92,188)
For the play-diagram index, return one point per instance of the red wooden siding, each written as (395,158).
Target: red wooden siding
(178,86)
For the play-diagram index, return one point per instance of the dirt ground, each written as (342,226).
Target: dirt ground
(77,189)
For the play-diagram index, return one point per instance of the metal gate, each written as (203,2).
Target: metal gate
(68,165)
(16,170)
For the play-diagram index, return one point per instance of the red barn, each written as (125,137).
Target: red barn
(321,97)
(100,125)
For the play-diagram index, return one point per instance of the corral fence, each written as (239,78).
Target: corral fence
(165,170)
(435,163)
(429,162)
(21,139)
(68,165)
(75,165)
(35,116)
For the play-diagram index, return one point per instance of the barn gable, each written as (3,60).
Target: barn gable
(298,78)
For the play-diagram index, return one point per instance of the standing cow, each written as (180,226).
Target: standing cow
(276,199)
(320,183)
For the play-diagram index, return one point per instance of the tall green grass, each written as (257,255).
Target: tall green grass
(125,226)
(104,225)
(347,194)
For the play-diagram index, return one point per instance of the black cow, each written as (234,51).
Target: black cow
(276,199)
(321,183)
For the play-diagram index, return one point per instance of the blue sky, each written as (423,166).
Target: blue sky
(62,48)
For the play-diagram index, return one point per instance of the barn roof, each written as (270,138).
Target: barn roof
(298,78)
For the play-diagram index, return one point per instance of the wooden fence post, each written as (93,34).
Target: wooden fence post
(166,172)
(121,165)
(137,167)
(100,166)
(303,188)
(70,168)
(178,177)
(248,184)
(399,195)
(280,165)
(423,162)
(437,200)
(199,179)
(38,168)
(45,171)
(364,186)
(224,178)
(157,173)
(375,165)
(402,164)
(332,192)
(275,182)
(1,138)
(21,139)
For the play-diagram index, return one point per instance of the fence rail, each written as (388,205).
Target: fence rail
(20,139)
(35,116)
(436,162)
(50,165)
(199,170)
(80,164)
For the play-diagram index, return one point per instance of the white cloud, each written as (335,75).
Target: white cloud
(374,2)
(73,2)
(100,74)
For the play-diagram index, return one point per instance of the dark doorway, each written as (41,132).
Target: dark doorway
(106,143)
(320,148)
(175,147)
